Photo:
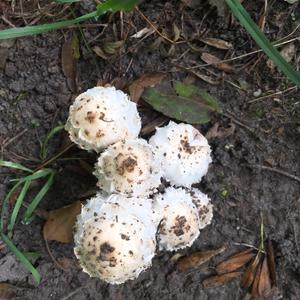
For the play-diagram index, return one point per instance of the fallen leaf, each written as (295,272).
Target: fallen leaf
(216,62)
(151,126)
(271,262)
(112,47)
(216,131)
(182,102)
(220,280)
(176,33)
(217,43)
(254,288)
(235,262)
(98,50)
(197,259)
(7,291)
(264,284)
(249,274)
(138,86)
(206,78)
(69,56)
(59,226)
(143,32)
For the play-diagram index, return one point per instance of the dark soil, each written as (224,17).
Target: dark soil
(35,96)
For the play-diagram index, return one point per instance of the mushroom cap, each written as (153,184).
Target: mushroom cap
(183,151)
(102,116)
(204,207)
(179,226)
(112,242)
(129,168)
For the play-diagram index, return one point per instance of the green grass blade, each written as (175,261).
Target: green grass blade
(22,258)
(36,200)
(44,148)
(17,207)
(9,164)
(37,29)
(38,174)
(116,5)
(259,37)
(5,202)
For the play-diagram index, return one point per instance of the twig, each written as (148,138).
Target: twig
(154,27)
(273,94)
(294,177)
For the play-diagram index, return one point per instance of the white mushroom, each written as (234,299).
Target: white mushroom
(102,116)
(179,226)
(112,242)
(128,167)
(183,151)
(204,207)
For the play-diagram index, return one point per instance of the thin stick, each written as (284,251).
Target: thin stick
(154,27)
(273,94)
(294,177)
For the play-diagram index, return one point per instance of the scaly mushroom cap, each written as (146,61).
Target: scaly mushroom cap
(111,241)
(204,207)
(183,151)
(129,168)
(102,116)
(179,226)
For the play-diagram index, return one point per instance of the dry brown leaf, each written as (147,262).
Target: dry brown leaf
(235,262)
(254,288)
(220,280)
(197,259)
(7,291)
(150,127)
(137,87)
(216,62)
(217,43)
(271,263)
(249,274)
(220,132)
(59,226)
(69,56)
(206,78)
(264,284)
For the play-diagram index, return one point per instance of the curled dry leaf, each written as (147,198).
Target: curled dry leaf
(249,275)
(197,259)
(271,263)
(138,86)
(7,291)
(59,226)
(220,280)
(216,62)
(69,56)
(217,43)
(235,262)
(254,288)
(264,284)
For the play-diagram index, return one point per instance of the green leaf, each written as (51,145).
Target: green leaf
(37,29)
(185,103)
(44,148)
(116,5)
(22,258)
(37,199)
(13,165)
(4,204)
(262,41)
(17,207)
(36,175)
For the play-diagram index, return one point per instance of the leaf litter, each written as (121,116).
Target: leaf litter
(183,102)
(59,226)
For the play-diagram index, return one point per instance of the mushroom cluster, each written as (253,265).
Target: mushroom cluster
(134,213)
